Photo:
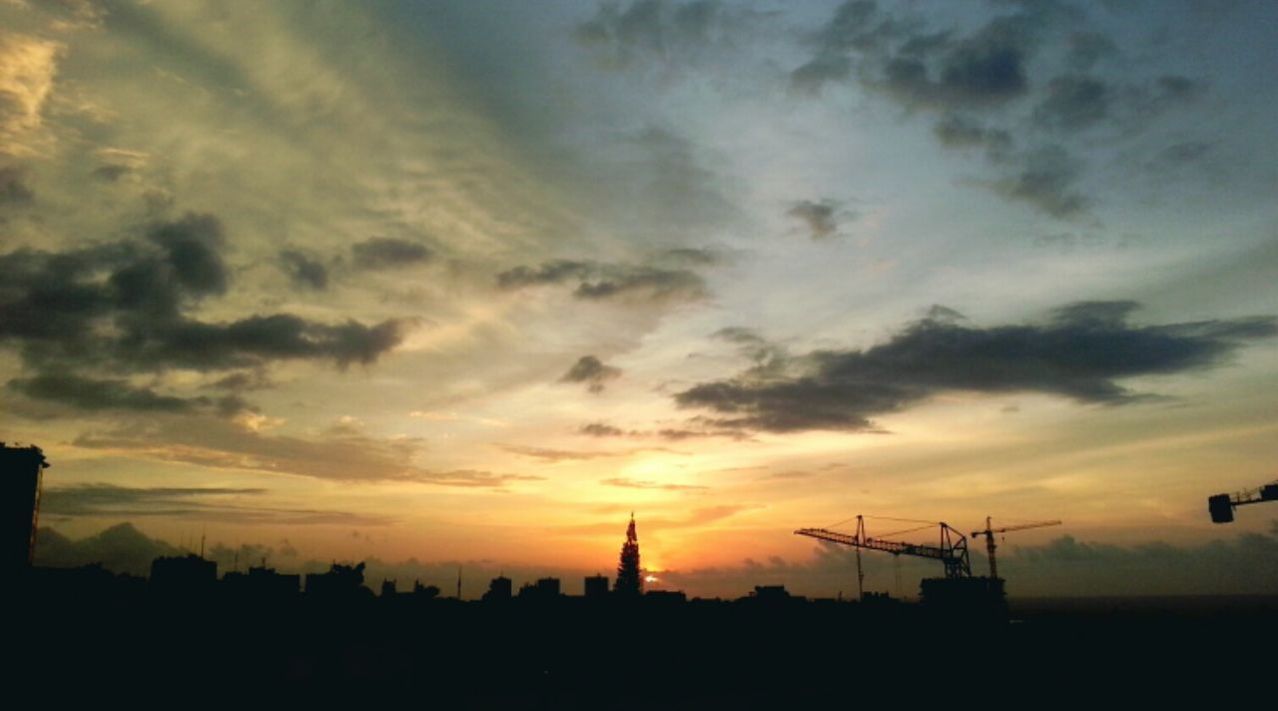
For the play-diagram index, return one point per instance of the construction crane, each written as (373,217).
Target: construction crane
(989,537)
(1221,506)
(952,551)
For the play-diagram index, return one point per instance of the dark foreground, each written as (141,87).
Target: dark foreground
(131,646)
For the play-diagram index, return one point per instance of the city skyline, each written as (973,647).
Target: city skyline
(469,282)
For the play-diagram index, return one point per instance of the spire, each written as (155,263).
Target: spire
(629,581)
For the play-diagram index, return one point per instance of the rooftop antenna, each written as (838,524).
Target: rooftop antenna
(459,582)
(202,531)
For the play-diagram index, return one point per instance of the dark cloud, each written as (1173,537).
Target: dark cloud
(1088,48)
(1074,102)
(93,395)
(976,80)
(1080,353)
(652,28)
(1046,180)
(192,254)
(598,281)
(257,340)
(920,68)
(108,499)
(303,270)
(238,382)
(389,253)
(956,130)
(600,429)
(628,483)
(221,504)
(13,187)
(1178,156)
(692,255)
(124,306)
(111,172)
(591,371)
(820,218)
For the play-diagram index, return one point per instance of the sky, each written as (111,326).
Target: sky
(469,282)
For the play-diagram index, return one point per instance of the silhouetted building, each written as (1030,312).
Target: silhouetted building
(770,593)
(388,588)
(498,589)
(186,575)
(339,581)
(425,592)
(629,579)
(543,589)
(596,586)
(665,597)
(263,583)
(20,469)
(974,598)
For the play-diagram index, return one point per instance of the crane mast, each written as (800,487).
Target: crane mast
(990,545)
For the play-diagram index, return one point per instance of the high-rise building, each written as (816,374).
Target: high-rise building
(20,469)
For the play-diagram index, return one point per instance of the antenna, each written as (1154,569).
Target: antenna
(459,582)
(202,531)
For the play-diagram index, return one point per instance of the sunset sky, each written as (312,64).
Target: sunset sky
(471,281)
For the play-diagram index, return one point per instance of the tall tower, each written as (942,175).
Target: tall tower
(629,581)
(20,469)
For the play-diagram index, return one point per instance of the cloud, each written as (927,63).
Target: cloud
(27,69)
(93,395)
(557,455)
(1088,48)
(920,69)
(1080,353)
(1046,181)
(956,130)
(93,499)
(695,256)
(979,82)
(388,253)
(628,483)
(123,305)
(225,444)
(651,28)
(597,282)
(221,504)
(13,187)
(1074,102)
(591,371)
(600,429)
(304,271)
(819,217)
